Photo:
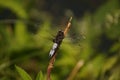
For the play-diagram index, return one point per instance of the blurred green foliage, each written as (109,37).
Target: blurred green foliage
(99,50)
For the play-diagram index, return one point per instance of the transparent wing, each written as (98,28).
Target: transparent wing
(33,26)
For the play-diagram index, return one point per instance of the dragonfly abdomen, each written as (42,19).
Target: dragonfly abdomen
(57,41)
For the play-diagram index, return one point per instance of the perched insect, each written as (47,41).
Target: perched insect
(57,42)
(58,39)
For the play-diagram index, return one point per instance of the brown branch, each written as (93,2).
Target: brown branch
(52,60)
(50,66)
(75,70)
(68,26)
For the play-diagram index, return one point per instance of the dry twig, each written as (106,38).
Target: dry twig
(52,60)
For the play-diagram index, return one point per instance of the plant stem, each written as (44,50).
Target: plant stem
(52,60)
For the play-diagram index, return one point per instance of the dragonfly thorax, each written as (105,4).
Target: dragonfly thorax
(59,37)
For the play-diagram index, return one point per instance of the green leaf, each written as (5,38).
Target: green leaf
(105,9)
(23,74)
(21,33)
(15,6)
(39,76)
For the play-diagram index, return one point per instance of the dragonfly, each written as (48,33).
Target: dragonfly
(58,39)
